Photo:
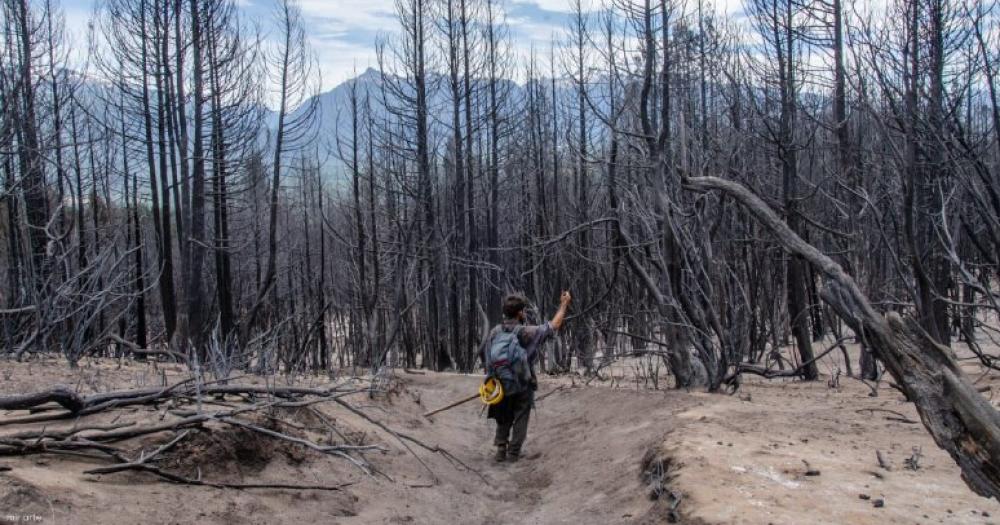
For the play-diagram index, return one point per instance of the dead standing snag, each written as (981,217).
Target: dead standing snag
(957,417)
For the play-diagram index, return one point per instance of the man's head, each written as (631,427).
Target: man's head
(513,306)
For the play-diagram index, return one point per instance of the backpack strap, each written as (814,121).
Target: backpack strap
(516,331)
(517,335)
(488,354)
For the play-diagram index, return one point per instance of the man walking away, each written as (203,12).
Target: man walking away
(509,353)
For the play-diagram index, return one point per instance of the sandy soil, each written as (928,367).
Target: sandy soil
(584,461)
(607,452)
(744,459)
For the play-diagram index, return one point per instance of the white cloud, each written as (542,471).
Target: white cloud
(528,31)
(340,61)
(371,15)
(342,34)
(728,7)
(77,22)
(557,6)
(567,6)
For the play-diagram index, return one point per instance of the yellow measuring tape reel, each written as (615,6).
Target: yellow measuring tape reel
(491,391)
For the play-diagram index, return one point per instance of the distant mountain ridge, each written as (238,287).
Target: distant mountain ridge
(334,105)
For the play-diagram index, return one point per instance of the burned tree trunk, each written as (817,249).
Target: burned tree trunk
(957,417)
(30,156)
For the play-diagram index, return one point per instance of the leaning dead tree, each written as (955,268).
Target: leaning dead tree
(957,417)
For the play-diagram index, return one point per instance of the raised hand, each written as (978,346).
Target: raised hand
(565,298)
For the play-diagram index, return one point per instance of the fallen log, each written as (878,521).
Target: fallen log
(182,480)
(100,441)
(767,373)
(63,434)
(143,459)
(960,420)
(140,351)
(60,394)
(117,399)
(20,447)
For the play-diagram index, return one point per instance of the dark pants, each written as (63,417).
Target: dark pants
(512,416)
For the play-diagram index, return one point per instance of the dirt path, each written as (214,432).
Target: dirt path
(582,460)
(591,445)
(732,459)
(583,464)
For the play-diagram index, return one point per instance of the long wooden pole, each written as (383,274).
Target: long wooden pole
(453,405)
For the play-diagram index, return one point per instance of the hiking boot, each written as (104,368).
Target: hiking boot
(512,457)
(501,454)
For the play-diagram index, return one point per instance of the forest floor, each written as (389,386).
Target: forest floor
(778,451)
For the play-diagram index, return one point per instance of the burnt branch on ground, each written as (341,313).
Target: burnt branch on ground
(260,411)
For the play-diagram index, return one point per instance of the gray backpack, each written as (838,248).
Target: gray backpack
(507,361)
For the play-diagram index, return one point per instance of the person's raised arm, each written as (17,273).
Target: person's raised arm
(557,320)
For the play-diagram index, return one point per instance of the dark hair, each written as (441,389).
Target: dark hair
(513,304)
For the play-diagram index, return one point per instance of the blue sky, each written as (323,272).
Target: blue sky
(343,32)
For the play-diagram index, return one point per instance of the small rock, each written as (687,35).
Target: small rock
(986,514)
(4,468)
(864,496)
(879,503)
(812,472)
